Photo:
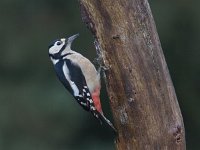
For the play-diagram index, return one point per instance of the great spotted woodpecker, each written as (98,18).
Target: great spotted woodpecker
(78,75)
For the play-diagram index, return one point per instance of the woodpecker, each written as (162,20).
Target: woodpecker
(78,75)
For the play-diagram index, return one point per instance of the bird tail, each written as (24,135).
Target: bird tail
(104,119)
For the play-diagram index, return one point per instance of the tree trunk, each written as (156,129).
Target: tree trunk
(142,97)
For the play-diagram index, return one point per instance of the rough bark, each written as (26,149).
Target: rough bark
(142,97)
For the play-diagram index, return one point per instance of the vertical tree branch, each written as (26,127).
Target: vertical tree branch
(142,96)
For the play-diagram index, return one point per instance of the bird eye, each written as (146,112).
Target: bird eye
(59,43)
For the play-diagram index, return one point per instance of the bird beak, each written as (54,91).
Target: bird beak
(72,38)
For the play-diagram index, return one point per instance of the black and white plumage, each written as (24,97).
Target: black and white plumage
(78,75)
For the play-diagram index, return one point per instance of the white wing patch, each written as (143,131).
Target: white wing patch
(72,84)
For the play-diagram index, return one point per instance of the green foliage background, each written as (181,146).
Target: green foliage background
(36,112)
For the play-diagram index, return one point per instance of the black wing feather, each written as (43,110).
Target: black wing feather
(76,75)
(60,74)
(85,98)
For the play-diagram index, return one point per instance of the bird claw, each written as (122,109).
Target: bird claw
(99,58)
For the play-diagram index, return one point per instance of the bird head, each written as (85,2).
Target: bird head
(60,47)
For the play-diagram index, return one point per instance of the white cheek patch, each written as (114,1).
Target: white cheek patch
(55,49)
(72,84)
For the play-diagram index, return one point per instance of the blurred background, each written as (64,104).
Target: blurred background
(36,112)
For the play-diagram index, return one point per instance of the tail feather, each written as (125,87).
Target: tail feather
(104,119)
